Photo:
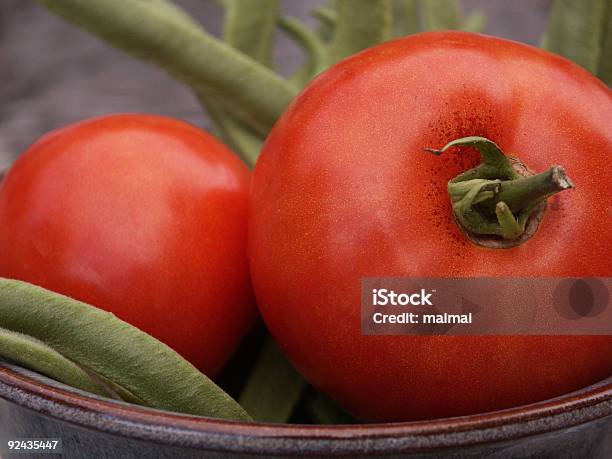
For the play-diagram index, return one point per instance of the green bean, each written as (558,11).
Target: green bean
(604,69)
(274,386)
(328,18)
(406,18)
(323,410)
(361,24)
(168,8)
(441,14)
(314,48)
(475,22)
(37,356)
(576,30)
(250,28)
(191,55)
(245,142)
(98,341)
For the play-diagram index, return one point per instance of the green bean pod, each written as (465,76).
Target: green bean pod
(98,341)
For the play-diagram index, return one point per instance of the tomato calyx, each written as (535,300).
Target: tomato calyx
(499,203)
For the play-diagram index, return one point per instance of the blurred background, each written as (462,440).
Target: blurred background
(53,74)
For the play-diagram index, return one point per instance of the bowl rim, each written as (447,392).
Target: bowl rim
(69,405)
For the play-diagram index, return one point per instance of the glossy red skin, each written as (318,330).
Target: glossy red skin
(143,216)
(343,190)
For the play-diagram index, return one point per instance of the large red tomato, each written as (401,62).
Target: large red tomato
(143,216)
(343,190)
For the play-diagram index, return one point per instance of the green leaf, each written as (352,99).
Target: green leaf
(313,46)
(406,19)
(361,24)
(98,341)
(441,14)
(250,27)
(494,163)
(247,89)
(576,30)
(274,387)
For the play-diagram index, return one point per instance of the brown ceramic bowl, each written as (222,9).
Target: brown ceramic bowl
(577,425)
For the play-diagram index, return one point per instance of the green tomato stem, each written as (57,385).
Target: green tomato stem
(525,192)
(510,227)
(491,198)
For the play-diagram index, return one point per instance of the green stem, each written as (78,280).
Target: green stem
(189,54)
(494,163)
(524,192)
(491,198)
(510,227)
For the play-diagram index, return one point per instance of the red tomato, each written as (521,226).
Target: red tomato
(343,190)
(143,216)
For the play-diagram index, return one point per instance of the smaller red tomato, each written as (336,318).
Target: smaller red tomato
(143,216)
